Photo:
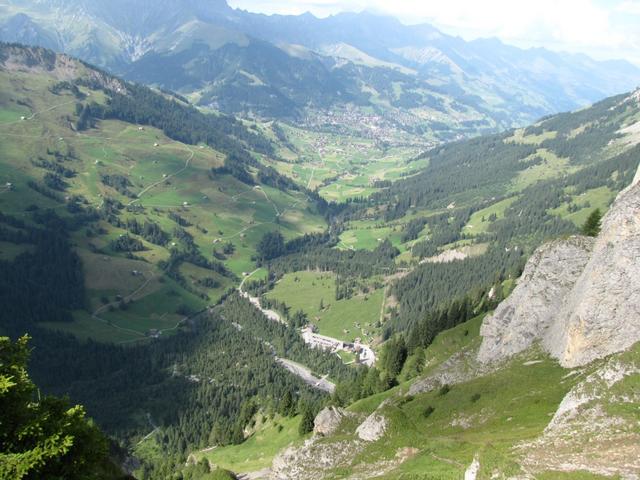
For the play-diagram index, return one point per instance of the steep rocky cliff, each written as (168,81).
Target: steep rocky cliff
(578,297)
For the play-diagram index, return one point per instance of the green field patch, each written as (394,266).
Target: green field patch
(85,327)
(116,274)
(520,137)
(199,277)
(551,167)
(170,176)
(11,113)
(369,238)
(585,203)
(480,220)
(258,451)
(345,319)
(486,416)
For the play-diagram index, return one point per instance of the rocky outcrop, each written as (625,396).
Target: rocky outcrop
(528,314)
(602,314)
(328,420)
(579,297)
(57,65)
(373,428)
(315,459)
(595,426)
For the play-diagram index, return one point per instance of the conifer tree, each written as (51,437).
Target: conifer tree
(591,227)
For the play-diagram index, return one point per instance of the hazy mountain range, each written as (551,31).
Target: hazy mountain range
(282,66)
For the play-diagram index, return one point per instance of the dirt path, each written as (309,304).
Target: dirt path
(36,113)
(155,184)
(153,425)
(307,376)
(96,314)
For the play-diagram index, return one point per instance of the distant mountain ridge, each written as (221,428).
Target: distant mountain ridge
(282,66)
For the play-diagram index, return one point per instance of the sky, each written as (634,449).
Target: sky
(603,29)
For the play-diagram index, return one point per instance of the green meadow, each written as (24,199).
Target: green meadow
(345,319)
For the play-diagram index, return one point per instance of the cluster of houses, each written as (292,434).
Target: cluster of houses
(363,352)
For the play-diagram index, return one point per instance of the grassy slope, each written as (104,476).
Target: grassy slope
(257,452)
(168,175)
(304,291)
(486,416)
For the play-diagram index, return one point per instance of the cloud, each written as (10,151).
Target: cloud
(629,6)
(602,28)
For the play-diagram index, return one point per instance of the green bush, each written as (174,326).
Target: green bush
(444,390)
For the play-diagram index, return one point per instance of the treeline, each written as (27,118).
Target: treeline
(432,285)
(46,281)
(186,124)
(460,171)
(346,263)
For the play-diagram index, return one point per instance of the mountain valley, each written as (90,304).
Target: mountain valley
(289,247)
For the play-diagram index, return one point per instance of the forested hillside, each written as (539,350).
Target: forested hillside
(488,201)
(124,215)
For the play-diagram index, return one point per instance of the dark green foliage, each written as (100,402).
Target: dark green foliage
(475,397)
(306,422)
(349,263)
(299,319)
(228,248)
(444,390)
(202,471)
(45,283)
(120,183)
(424,331)
(428,411)
(126,243)
(476,168)
(209,282)
(436,285)
(284,340)
(591,227)
(55,167)
(445,229)
(413,229)
(54,181)
(88,114)
(395,354)
(44,437)
(46,191)
(179,220)
(271,246)
(60,87)
(286,406)
(183,123)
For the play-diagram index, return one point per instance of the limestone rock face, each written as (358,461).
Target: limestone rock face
(315,459)
(579,297)
(328,420)
(527,315)
(373,428)
(602,314)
